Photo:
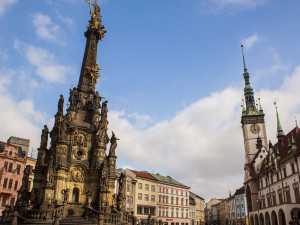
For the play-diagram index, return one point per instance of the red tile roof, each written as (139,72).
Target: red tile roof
(143,174)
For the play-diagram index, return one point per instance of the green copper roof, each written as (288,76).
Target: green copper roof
(280,132)
(167,180)
(248,93)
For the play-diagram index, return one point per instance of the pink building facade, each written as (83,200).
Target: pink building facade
(12,164)
(173,201)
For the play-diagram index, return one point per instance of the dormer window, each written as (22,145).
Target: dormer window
(10,153)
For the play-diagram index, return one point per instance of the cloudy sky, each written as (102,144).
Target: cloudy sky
(171,71)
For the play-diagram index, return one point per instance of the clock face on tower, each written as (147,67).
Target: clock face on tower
(254,128)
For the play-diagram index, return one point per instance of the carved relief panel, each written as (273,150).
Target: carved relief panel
(77,174)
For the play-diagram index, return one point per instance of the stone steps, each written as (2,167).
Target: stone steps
(76,221)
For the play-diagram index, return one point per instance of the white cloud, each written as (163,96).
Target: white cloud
(45,62)
(45,28)
(4,4)
(19,118)
(242,4)
(203,144)
(250,41)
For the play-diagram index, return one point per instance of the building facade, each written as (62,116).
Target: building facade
(271,171)
(173,201)
(199,209)
(146,196)
(208,209)
(192,210)
(31,162)
(12,164)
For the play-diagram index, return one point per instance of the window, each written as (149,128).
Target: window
(128,188)
(140,196)
(152,211)
(153,188)
(16,185)
(140,186)
(18,169)
(5,183)
(284,172)
(10,183)
(12,201)
(166,190)
(177,214)
(293,168)
(159,213)
(277,174)
(167,214)
(10,167)
(176,201)
(75,195)
(172,214)
(146,210)
(5,166)
(147,187)
(182,201)
(139,210)
(131,188)
(172,200)
(146,197)
(3,200)
(176,192)
(10,153)
(152,198)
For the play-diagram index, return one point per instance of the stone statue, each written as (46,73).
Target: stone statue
(73,97)
(50,172)
(44,137)
(88,195)
(104,111)
(102,137)
(25,179)
(60,105)
(97,100)
(63,130)
(113,144)
(104,173)
(65,195)
(121,193)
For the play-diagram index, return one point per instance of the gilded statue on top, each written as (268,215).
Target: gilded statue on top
(95,21)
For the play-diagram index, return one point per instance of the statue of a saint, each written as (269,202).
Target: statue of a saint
(97,100)
(50,174)
(44,137)
(113,144)
(104,173)
(60,105)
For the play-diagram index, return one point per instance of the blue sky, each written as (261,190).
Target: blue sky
(171,71)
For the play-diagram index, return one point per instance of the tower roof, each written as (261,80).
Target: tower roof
(248,92)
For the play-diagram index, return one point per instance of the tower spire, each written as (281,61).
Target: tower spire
(280,132)
(248,90)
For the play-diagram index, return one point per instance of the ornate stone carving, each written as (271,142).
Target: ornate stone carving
(61,155)
(44,137)
(88,196)
(79,153)
(77,174)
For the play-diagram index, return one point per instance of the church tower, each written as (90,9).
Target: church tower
(78,172)
(253,122)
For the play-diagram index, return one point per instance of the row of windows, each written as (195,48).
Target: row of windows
(284,196)
(140,186)
(4,201)
(9,167)
(10,183)
(166,214)
(172,191)
(166,200)
(140,197)
(279,174)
